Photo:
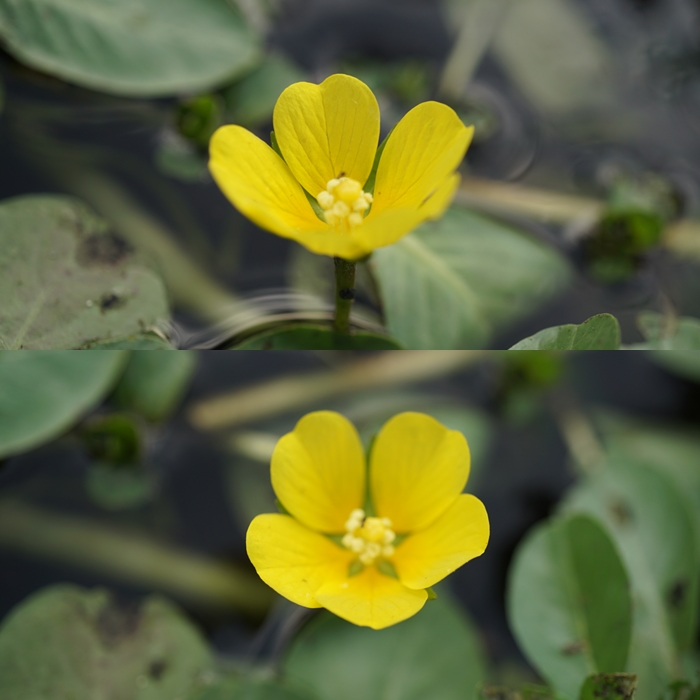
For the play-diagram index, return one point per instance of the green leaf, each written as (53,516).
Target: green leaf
(44,394)
(453,282)
(251,100)
(678,351)
(649,522)
(433,655)
(66,642)
(66,281)
(115,488)
(150,341)
(601,332)
(609,686)
(670,451)
(133,47)
(568,602)
(312,337)
(154,383)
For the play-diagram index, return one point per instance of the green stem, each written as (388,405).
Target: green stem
(132,558)
(344,293)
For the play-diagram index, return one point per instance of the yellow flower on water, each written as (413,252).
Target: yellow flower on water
(328,135)
(371,567)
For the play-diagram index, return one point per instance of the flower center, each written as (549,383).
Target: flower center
(344,203)
(370,538)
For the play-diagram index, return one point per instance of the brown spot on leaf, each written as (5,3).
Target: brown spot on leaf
(621,512)
(116,622)
(574,648)
(103,249)
(677,594)
(111,301)
(157,669)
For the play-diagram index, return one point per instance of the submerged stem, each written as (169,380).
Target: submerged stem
(344,293)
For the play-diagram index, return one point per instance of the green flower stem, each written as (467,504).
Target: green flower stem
(132,558)
(344,293)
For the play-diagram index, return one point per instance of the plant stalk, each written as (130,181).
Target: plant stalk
(344,293)
(132,558)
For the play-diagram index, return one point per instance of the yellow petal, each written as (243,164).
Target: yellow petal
(423,150)
(293,560)
(371,599)
(335,243)
(386,228)
(390,225)
(418,468)
(460,534)
(438,202)
(318,471)
(259,183)
(328,130)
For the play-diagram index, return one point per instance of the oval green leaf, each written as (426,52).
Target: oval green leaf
(569,603)
(433,655)
(653,529)
(452,283)
(44,394)
(601,332)
(673,452)
(316,337)
(65,642)
(131,47)
(154,383)
(67,282)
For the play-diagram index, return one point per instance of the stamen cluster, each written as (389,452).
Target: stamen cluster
(344,203)
(370,538)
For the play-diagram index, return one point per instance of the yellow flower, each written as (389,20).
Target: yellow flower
(330,552)
(328,135)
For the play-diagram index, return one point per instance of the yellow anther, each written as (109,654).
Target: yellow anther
(369,538)
(344,203)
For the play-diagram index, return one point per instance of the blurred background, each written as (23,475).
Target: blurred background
(142,472)
(582,184)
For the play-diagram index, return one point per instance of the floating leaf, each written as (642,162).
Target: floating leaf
(154,383)
(66,642)
(118,488)
(433,655)
(44,394)
(150,341)
(601,332)
(313,337)
(569,603)
(649,522)
(66,281)
(453,282)
(673,452)
(133,47)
